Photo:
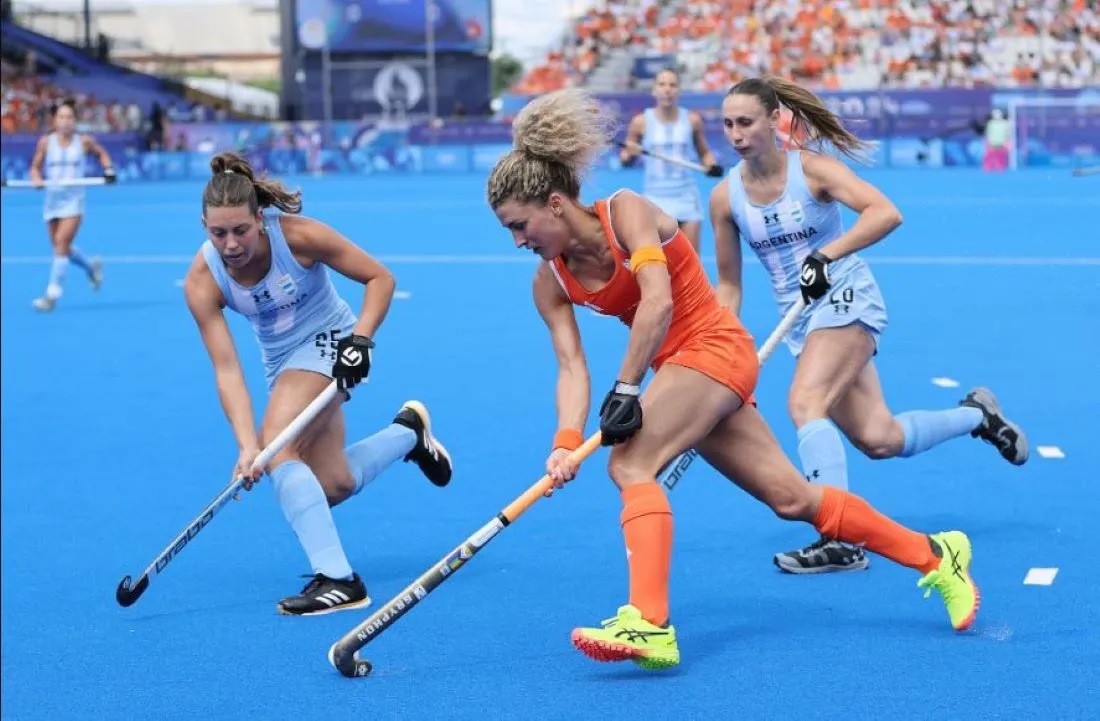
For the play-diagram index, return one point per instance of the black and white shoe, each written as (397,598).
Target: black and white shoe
(326,595)
(428,453)
(1001,433)
(823,556)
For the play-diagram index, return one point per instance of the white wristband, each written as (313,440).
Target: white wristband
(627,389)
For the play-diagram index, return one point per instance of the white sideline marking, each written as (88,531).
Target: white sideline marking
(945,382)
(1040,576)
(475,203)
(1051,452)
(528,259)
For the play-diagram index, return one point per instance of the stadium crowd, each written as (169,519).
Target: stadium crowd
(838,44)
(27,98)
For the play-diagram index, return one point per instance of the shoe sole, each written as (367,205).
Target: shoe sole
(798,570)
(985,400)
(969,620)
(426,419)
(335,609)
(608,652)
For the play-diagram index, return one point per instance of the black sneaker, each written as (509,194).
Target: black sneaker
(326,595)
(428,453)
(823,556)
(1001,433)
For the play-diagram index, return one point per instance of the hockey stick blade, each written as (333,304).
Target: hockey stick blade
(127,595)
(344,654)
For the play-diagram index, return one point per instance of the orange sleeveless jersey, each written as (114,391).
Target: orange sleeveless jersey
(701,335)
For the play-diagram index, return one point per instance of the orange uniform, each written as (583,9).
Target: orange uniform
(702,335)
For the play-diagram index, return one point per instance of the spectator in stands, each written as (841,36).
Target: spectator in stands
(157,127)
(842,44)
(27,99)
(996,143)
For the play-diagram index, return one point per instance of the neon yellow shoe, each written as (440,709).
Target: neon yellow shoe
(629,637)
(952,579)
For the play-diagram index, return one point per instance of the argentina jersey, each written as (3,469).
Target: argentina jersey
(292,307)
(64,163)
(787,230)
(671,187)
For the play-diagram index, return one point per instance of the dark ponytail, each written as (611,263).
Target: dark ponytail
(233,183)
(808,114)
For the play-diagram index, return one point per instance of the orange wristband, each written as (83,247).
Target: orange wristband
(646,255)
(568,438)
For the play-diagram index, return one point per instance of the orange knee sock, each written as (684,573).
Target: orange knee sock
(848,518)
(647,526)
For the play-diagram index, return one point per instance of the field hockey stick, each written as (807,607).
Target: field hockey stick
(675,471)
(70,183)
(661,156)
(1082,172)
(344,654)
(127,594)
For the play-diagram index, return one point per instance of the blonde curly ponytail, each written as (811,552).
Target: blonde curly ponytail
(555,138)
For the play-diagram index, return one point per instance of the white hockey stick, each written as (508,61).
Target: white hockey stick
(661,156)
(69,183)
(128,593)
(675,470)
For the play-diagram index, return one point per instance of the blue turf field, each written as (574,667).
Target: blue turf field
(113,439)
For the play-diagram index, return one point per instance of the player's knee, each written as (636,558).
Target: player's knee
(806,405)
(626,471)
(284,456)
(791,501)
(880,440)
(337,487)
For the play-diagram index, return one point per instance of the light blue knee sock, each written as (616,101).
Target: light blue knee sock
(79,260)
(822,454)
(57,276)
(926,429)
(370,456)
(307,510)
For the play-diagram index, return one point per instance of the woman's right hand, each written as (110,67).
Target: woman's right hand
(560,469)
(245,461)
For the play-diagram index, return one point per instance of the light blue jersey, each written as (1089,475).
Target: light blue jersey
(671,187)
(295,312)
(68,163)
(784,233)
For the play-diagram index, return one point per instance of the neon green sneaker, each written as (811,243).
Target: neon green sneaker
(628,636)
(952,578)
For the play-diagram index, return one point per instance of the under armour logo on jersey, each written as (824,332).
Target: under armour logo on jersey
(261,296)
(351,357)
(771,219)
